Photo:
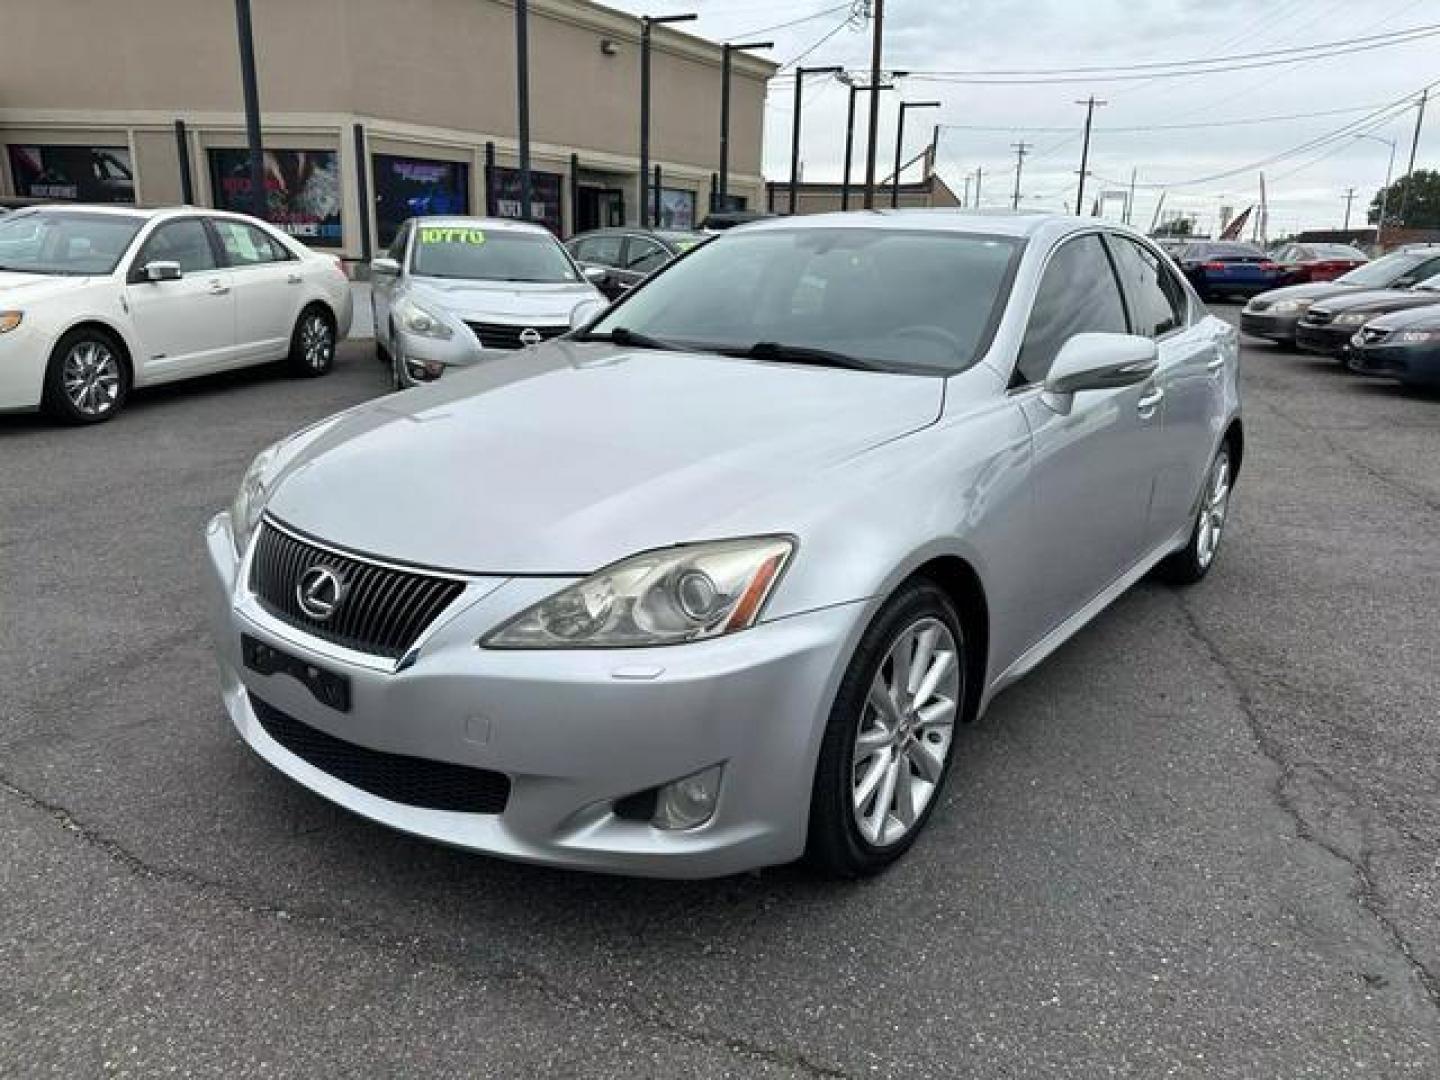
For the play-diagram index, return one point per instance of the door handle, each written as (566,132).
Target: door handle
(294,279)
(218,289)
(1150,399)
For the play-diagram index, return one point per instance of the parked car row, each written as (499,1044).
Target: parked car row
(1380,319)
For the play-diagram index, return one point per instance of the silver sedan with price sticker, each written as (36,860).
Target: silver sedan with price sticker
(716,580)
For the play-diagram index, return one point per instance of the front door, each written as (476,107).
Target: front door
(383,284)
(1094,464)
(186,326)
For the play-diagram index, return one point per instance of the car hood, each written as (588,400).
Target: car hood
(17,289)
(1319,290)
(1380,300)
(565,458)
(1414,318)
(508,302)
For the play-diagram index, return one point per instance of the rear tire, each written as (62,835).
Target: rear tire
(890,737)
(1193,561)
(312,343)
(87,379)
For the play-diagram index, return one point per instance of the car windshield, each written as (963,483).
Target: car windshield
(1430,284)
(477,253)
(903,300)
(65,242)
(1383,271)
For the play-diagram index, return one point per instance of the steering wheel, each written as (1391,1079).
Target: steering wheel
(932,333)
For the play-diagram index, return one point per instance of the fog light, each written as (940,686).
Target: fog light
(686,803)
(426,371)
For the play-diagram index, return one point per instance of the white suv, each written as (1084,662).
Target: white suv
(95,300)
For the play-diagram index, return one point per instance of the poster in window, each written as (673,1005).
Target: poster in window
(677,209)
(545,190)
(416,187)
(94,174)
(302,191)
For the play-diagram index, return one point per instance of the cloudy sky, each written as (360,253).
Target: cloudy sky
(1234,120)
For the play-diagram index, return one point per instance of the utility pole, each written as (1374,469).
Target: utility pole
(965,199)
(1021,148)
(1130,199)
(979,172)
(1414,145)
(855,90)
(722,187)
(1349,197)
(876,54)
(900,142)
(522,100)
(258,203)
(800,73)
(647,22)
(1089,104)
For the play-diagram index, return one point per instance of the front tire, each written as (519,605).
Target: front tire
(87,379)
(312,343)
(890,737)
(1193,562)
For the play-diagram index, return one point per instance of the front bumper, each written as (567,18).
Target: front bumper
(1266,325)
(1329,339)
(425,359)
(573,730)
(1417,365)
(24,354)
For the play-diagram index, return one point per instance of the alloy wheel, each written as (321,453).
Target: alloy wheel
(905,731)
(90,377)
(1213,507)
(317,344)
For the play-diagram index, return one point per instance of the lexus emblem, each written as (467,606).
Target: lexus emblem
(319,592)
(530,337)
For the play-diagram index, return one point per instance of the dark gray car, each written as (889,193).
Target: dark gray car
(628,256)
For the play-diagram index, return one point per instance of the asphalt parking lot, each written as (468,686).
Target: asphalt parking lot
(1202,840)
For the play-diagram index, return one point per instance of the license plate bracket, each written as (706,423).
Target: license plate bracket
(330,688)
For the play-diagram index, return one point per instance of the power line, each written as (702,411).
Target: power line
(793,22)
(1146,128)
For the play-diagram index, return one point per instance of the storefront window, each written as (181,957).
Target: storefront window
(677,209)
(545,188)
(302,191)
(416,187)
(95,174)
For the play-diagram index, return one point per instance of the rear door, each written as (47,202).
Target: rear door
(186,326)
(266,280)
(1095,465)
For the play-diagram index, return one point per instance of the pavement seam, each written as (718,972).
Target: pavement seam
(418,948)
(1367,892)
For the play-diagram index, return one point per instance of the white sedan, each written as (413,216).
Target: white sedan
(94,301)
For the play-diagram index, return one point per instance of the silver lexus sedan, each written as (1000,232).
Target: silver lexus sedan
(710,583)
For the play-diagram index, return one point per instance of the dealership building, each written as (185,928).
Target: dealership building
(372,111)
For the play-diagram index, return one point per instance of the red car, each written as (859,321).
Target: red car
(1318,262)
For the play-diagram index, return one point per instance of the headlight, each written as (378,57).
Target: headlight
(1289,307)
(419,319)
(1416,337)
(249,501)
(9,320)
(1353,318)
(664,597)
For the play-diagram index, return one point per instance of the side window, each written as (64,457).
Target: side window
(1425,270)
(245,245)
(600,250)
(1157,302)
(1077,295)
(185,242)
(397,246)
(643,256)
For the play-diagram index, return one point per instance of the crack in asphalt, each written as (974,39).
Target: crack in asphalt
(420,949)
(1367,892)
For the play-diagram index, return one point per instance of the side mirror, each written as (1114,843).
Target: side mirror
(1100,362)
(586,312)
(596,274)
(163,270)
(385,267)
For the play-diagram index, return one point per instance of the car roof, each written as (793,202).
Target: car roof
(1017,224)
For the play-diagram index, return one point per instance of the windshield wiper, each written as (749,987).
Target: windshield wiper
(621,335)
(801,354)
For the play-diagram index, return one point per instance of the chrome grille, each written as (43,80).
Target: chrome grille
(383,610)
(504,336)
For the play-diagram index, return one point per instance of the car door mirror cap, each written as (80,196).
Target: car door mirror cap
(385,265)
(586,312)
(162,270)
(1100,362)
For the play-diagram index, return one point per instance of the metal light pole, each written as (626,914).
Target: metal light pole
(522,100)
(727,50)
(258,203)
(1085,153)
(1384,191)
(855,90)
(900,142)
(877,47)
(646,23)
(800,73)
